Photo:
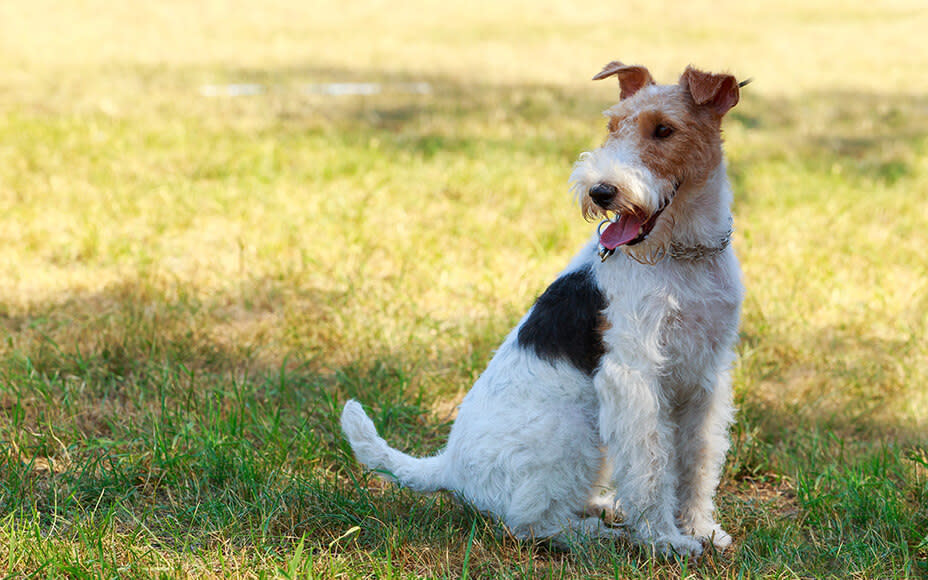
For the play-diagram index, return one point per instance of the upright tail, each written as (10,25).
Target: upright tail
(425,474)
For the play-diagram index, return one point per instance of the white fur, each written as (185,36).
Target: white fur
(532,437)
(618,163)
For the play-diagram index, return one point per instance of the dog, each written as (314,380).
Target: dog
(618,377)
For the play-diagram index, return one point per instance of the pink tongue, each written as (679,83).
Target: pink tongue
(620,232)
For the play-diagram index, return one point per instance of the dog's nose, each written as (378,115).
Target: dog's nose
(602,194)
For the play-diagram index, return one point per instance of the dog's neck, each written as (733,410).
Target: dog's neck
(696,226)
(703,223)
(697,252)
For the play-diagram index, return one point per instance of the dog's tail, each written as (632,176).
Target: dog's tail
(420,474)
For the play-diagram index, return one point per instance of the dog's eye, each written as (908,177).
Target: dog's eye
(663,131)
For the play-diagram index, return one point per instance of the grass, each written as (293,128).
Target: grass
(191,286)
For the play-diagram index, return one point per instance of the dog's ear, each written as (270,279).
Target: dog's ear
(717,91)
(631,78)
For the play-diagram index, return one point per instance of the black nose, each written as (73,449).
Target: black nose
(602,194)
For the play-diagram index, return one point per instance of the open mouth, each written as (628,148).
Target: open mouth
(628,229)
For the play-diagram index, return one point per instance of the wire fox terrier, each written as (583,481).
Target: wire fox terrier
(618,376)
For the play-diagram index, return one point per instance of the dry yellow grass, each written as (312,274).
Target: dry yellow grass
(85,211)
(790,46)
(123,76)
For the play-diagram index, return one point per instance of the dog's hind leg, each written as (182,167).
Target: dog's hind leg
(571,531)
(578,530)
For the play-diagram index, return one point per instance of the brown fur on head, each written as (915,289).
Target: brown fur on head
(675,131)
(692,110)
(719,91)
(631,78)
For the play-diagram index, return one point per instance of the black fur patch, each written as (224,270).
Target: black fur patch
(565,322)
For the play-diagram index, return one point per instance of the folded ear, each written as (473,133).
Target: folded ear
(717,91)
(631,78)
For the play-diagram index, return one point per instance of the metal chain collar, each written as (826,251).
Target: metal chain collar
(678,251)
(699,251)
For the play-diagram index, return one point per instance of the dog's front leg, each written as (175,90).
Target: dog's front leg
(635,428)
(703,421)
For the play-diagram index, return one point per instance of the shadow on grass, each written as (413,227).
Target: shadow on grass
(122,406)
(184,433)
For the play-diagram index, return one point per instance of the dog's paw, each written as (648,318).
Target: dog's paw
(606,508)
(716,535)
(674,545)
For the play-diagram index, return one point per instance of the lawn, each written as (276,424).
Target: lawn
(206,247)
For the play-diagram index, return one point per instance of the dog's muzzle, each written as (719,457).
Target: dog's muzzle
(626,228)
(602,194)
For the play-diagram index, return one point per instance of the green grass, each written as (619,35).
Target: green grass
(190,287)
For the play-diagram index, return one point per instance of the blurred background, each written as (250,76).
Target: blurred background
(220,219)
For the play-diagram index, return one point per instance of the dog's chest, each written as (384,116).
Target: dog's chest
(688,328)
(672,316)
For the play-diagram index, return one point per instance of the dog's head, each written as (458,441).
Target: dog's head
(664,142)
